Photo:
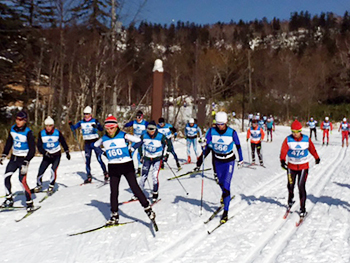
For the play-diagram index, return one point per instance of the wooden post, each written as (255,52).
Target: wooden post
(157,92)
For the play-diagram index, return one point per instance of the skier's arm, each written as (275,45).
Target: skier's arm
(75,126)
(97,143)
(321,126)
(284,150)
(31,146)
(238,146)
(134,139)
(129,124)
(98,125)
(248,134)
(63,142)
(8,145)
(40,144)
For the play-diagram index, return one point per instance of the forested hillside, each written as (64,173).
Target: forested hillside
(56,59)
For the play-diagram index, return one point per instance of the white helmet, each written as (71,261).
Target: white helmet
(49,121)
(191,120)
(221,117)
(326,119)
(88,110)
(344,120)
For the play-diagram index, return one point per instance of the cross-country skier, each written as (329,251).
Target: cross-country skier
(297,147)
(344,127)
(312,125)
(326,125)
(139,127)
(152,154)
(168,129)
(192,131)
(21,140)
(90,127)
(221,140)
(250,119)
(256,135)
(270,125)
(49,140)
(115,143)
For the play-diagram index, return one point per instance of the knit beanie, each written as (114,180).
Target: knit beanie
(111,122)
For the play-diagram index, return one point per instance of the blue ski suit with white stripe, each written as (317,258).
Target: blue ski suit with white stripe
(221,143)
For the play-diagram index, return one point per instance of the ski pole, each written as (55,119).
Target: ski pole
(248,152)
(202,180)
(177,178)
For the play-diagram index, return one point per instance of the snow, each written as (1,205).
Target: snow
(256,233)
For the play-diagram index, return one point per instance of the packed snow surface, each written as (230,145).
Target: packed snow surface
(256,233)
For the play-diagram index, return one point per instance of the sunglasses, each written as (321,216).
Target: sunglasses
(139,117)
(20,119)
(296,131)
(220,124)
(87,114)
(151,129)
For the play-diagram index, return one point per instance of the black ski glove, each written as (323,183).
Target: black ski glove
(284,165)
(68,155)
(318,160)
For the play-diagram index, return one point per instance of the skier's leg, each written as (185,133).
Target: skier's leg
(88,151)
(114,175)
(291,174)
(301,185)
(54,168)
(135,188)
(145,170)
(43,166)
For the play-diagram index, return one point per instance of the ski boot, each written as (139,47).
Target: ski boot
(36,189)
(50,189)
(30,206)
(88,179)
(178,166)
(106,177)
(138,172)
(261,163)
(114,220)
(189,159)
(154,197)
(302,214)
(150,213)
(8,202)
(224,217)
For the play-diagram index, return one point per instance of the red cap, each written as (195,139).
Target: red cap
(296,126)
(111,121)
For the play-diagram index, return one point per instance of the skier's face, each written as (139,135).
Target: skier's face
(161,124)
(221,126)
(87,116)
(49,128)
(20,122)
(111,130)
(139,118)
(296,134)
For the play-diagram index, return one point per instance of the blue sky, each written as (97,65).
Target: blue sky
(212,11)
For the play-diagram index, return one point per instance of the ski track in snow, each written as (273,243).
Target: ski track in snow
(256,233)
